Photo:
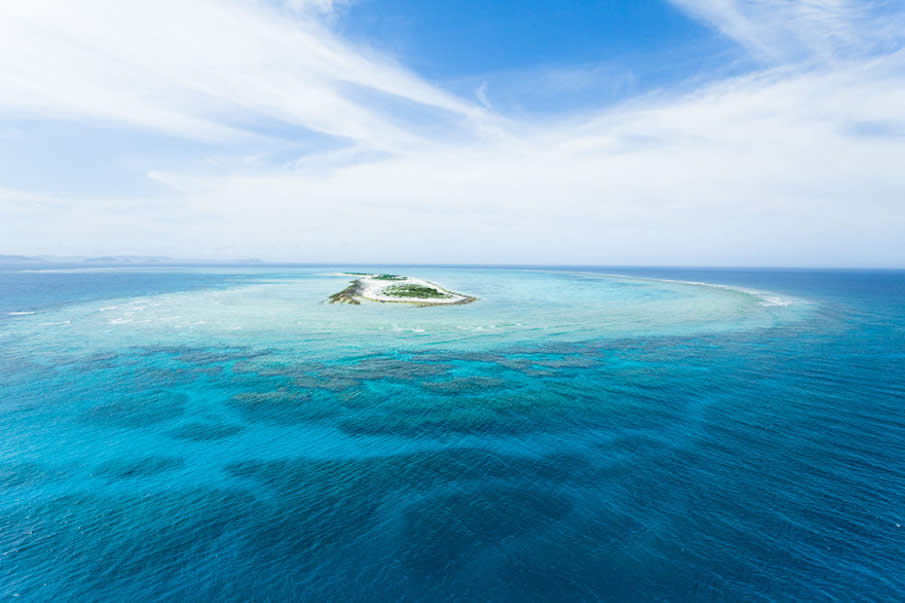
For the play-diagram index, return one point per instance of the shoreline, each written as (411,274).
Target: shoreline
(373,287)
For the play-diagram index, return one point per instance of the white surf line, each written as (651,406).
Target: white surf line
(767,298)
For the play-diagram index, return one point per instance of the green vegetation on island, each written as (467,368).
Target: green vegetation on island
(413,290)
(389,277)
(348,295)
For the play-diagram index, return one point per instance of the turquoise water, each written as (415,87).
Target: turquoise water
(576,434)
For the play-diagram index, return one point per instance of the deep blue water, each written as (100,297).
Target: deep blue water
(306,459)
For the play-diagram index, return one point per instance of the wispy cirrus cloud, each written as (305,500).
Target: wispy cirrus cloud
(202,69)
(782,30)
(320,6)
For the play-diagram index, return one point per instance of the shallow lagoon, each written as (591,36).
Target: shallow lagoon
(572,435)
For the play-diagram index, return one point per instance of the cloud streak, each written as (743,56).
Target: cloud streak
(201,69)
(779,31)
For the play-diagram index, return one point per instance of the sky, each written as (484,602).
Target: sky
(642,132)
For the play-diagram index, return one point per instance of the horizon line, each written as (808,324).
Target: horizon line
(110,260)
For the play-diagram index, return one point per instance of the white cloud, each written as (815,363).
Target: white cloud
(767,168)
(326,7)
(481,94)
(199,68)
(782,30)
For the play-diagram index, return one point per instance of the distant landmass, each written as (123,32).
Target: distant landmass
(16,259)
(118,260)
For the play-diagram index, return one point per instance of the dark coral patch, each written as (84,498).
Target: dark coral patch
(331,383)
(483,412)
(13,475)
(419,471)
(137,468)
(205,432)
(385,367)
(445,532)
(574,361)
(283,407)
(330,503)
(195,355)
(140,410)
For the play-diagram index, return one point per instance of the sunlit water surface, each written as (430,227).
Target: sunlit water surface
(575,434)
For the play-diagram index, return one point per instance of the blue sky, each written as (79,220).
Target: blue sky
(448,40)
(542,57)
(716,132)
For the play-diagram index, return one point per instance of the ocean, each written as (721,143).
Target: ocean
(576,434)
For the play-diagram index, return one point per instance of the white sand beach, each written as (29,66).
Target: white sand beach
(373,288)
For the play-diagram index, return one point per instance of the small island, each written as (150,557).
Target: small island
(396,289)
